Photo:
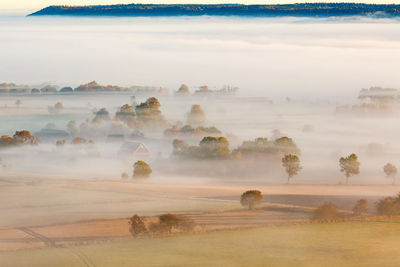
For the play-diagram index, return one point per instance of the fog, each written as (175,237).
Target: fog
(331,135)
(317,64)
(137,141)
(304,57)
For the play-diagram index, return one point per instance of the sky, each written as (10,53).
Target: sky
(38,4)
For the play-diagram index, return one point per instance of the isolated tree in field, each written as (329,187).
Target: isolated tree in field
(102,114)
(59,106)
(388,206)
(360,207)
(326,212)
(350,166)
(56,109)
(251,198)
(291,163)
(18,103)
(141,169)
(183,90)
(137,226)
(390,171)
(196,116)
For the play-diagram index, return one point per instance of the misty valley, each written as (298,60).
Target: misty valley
(194,133)
(202,141)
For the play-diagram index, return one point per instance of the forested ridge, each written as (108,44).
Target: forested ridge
(306,9)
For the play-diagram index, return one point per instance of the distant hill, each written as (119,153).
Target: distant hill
(298,10)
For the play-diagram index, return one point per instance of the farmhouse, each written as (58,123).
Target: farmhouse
(133,149)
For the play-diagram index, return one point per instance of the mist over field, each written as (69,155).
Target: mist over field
(307,57)
(114,131)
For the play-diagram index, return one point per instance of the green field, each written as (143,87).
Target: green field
(374,243)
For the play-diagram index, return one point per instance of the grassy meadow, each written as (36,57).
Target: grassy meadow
(367,243)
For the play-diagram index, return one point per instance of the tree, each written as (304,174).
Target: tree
(350,166)
(196,116)
(390,171)
(251,198)
(169,222)
(66,90)
(56,109)
(141,169)
(180,147)
(388,206)
(60,143)
(286,145)
(360,207)
(149,113)
(137,226)
(24,137)
(291,163)
(20,138)
(59,106)
(214,147)
(326,212)
(125,113)
(102,114)
(183,90)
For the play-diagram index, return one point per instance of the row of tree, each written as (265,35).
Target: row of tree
(388,206)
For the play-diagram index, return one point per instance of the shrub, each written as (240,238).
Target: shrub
(388,206)
(326,212)
(137,226)
(60,142)
(360,207)
(171,222)
(251,198)
(141,169)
